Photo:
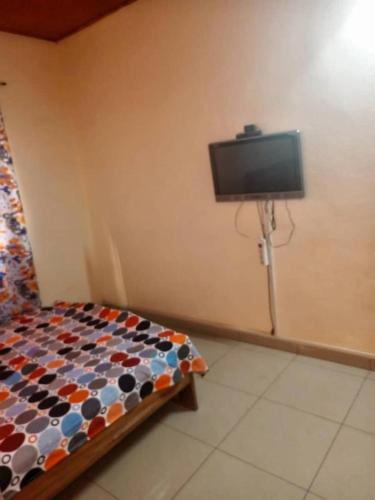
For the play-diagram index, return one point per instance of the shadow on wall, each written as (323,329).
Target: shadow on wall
(110,270)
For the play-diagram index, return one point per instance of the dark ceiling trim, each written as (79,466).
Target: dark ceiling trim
(92,21)
(58,36)
(30,35)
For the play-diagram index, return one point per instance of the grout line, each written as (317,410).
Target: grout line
(299,410)
(201,441)
(294,358)
(289,362)
(264,470)
(258,398)
(240,391)
(328,419)
(355,399)
(108,492)
(301,358)
(216,448)
(232,388)
(231,348)
(244,416)
(193,474)
(330,368)
(315,495)
(335,436)
(271,352)
(277,377)
(246,412)
(262,395)
(369,433)
(102,488)
(298,357)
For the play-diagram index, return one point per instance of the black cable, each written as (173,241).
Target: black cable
(273,218)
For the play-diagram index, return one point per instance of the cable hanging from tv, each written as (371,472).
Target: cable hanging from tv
(262,210)
(267,218)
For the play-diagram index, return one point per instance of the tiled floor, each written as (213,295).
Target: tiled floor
(270,426)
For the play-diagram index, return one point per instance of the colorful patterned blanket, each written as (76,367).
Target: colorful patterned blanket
(68,372)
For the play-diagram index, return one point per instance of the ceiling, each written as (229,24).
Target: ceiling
(53,19)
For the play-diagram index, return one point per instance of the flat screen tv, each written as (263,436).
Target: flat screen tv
(258,168)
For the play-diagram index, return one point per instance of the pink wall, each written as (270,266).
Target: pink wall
(150,86)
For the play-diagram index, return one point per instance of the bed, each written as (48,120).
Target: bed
(75,379)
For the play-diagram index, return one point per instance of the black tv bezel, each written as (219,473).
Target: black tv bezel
(295,134)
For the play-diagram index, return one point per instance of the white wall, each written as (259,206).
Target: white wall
(131,103)
(46,166)
(151,85)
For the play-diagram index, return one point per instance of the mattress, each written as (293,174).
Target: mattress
(68,372)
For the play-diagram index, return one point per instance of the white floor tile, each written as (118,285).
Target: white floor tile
(348,471)
(281,440)
(351,370)
(223,477)
(219,410)
(327,393)
(362,414)
(152,464)
(211,348)
(247,370)
(265,350)
(158,461)
(84,490)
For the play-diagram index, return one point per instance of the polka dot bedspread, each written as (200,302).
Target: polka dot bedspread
(68,372)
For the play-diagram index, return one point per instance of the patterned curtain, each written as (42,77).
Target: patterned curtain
(18,286)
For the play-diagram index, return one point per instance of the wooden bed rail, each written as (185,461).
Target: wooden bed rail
(52,482)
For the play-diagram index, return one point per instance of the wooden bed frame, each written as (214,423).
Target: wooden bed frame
(50,483)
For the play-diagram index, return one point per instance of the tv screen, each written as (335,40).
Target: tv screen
(261,167)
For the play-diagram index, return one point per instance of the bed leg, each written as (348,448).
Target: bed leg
(187,398)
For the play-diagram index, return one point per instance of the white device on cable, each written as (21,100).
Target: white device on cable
(263,251)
